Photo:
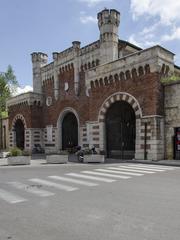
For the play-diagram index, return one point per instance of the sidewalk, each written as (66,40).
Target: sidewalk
(175,163)
(41,161)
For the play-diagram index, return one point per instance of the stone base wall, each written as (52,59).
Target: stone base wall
(93,134)
(172,116)
(154,138)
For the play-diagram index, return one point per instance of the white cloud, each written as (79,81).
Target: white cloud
(21,90)
(174,35)
(134,41)
(150,29)
(161,20)
(167,11)
(142,41)
(88,19)
(92,3)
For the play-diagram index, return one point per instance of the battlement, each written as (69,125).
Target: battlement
(108,23)
(65,53)
(76,44)
(90,47)
(108,17)
(39,57)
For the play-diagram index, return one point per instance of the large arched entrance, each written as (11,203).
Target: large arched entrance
(19,131)
(120,130)
(69,131)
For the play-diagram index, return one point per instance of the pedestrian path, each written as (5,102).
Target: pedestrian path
(16,192)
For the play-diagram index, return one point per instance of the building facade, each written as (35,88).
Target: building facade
(107,94)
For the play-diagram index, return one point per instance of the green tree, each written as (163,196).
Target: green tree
(8,85)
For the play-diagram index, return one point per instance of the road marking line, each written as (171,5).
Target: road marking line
(89,184)
(133,170)
(106,174)
(11,198)
(52,184)
(31,189)
(91,177)
(145,168)
(115,170)
(154,166)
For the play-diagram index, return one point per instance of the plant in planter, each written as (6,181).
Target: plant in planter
(57,157)
(91,156)
(18,157)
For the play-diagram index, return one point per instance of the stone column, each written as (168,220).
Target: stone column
(76,46)
(56,73)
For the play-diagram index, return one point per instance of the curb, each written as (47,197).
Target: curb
(155,163)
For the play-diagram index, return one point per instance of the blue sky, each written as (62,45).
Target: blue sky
(49,26)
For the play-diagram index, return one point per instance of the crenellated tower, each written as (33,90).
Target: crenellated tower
(38,61)
(108,22)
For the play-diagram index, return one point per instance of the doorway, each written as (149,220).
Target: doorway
(69,131)
(19,130)
(120,131)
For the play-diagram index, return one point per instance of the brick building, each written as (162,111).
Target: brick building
(107,94)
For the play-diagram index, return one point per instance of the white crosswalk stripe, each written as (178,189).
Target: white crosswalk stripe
(106,174)
(154,166)
(11,197)
(89,178)
(134,170)
(117,171)
(145,168)
(53,184)
(101,179)
(85,183)
(31,189)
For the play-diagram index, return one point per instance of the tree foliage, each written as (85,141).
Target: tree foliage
(8,84)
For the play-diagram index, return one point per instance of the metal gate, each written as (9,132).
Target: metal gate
(69,131)
(19,129)
(120,131)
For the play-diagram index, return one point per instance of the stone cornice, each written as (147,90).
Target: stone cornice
(29,98)
(154,57)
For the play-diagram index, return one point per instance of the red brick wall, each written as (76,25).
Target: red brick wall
(68,99)
(32,115)
(146,89)
(48,87)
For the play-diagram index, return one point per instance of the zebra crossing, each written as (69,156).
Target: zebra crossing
(72,181)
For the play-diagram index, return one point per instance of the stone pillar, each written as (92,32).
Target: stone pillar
(38,61)
(76,47)
(56,73)
(154,144)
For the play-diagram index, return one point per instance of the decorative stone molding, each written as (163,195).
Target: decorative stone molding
(90,65)
(66,68)
(59,124)
(21,117)
(29,98)
(117,97)
(131,66)
(122,76)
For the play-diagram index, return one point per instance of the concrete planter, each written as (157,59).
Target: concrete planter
(19,160)
(3,154)
(55,158)
(93,158)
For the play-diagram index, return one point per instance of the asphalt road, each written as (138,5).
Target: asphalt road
(142,205)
